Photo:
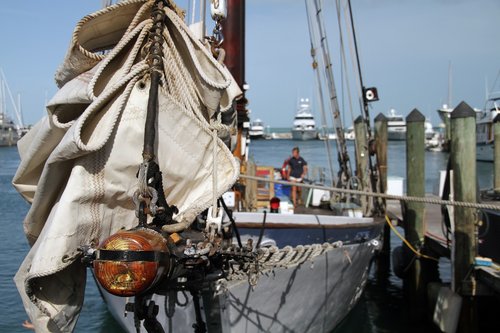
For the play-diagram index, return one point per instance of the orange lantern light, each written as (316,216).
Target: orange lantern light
(130,262)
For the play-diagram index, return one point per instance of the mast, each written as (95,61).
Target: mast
(345,172)
(233,28)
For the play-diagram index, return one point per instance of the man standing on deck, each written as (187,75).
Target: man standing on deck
(297,170)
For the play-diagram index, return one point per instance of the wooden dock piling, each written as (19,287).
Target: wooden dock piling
(463,164)
(381,148)
(414,212)
(362,158)
(496,157)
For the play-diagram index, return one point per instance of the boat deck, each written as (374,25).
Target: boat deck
(436,240)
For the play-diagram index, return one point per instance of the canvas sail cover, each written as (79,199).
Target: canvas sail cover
(79,163)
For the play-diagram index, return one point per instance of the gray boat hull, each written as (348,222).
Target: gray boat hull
(396,135)
(485,152)
(304,135)
(313,296)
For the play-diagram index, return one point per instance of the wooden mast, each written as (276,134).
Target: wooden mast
(233,28)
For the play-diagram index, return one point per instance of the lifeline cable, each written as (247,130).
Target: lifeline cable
(380,195)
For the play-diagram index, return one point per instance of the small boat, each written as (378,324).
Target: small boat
(328,135)
(485,135)
(396,126)
(257,129)
(435,143)
(429,129)
(350,135)
(304,125)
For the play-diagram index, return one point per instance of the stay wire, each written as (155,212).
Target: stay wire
(262,230)
(233,222)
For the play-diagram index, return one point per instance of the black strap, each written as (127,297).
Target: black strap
(128,256)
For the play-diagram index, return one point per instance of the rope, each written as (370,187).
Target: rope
(380,195)
(269,258)
(417,253)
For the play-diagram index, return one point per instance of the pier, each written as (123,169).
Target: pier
(465,235)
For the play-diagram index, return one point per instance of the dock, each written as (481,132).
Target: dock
(437,243)
(464,228)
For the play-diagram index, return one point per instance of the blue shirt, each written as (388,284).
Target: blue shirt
(297,166)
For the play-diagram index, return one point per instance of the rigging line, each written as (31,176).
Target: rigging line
(343,156)
(359,76)
(426,200)
(328,147)
(233,222)
(407,243)
(344,62)
(352,51)
(362,100)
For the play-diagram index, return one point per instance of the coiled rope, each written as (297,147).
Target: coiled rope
(268,258)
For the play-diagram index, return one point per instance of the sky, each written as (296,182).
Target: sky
(405,48)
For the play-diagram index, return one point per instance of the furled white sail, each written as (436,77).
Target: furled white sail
(79,163)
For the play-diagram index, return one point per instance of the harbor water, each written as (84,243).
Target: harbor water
(381,308)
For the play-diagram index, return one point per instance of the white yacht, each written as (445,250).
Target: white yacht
(485,134)
(256,129)
(304,126)
(396,126)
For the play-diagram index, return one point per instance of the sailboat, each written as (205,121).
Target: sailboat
(137,172)
(10,131)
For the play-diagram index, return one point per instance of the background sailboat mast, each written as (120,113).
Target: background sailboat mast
(6,88)
(449,85)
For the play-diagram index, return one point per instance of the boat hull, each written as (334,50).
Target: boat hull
(304,135)
(256,135)
(396,135)
(8,137)
(313,296)
(484,152)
